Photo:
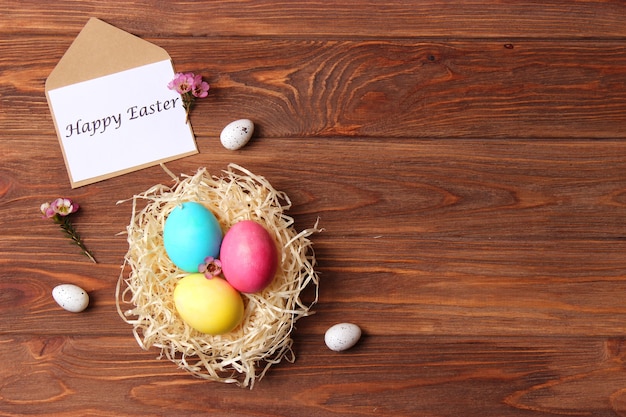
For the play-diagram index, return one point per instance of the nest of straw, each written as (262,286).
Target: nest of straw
(144,295)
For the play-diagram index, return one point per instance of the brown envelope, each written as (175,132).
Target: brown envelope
(101,49)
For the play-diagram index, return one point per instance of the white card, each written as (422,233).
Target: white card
(121,122)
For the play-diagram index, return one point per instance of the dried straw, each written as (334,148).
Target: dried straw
(264,337)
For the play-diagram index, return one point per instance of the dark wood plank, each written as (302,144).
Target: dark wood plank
(415,376)
(466,189)
(401,89)
(482,289)
(337,19)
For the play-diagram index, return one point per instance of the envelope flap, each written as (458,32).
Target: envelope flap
(101,49)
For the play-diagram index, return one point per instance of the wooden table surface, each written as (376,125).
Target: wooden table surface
(466,159)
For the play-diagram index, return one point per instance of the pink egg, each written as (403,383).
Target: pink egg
(249,257)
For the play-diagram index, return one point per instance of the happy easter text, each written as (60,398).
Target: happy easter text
(100,126)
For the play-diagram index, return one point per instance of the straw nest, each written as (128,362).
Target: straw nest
(146,283)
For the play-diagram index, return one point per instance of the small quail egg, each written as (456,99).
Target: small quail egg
(71,297)
(236,134)
(342,336)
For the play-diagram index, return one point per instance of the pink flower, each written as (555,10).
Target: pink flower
(200,88)
(64,206)
(211,267)
(190,87)
(47,210)
(182,83)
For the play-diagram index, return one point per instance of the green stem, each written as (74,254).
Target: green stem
(68,228)
(187,104)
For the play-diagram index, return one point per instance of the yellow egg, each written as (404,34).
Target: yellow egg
(210,306)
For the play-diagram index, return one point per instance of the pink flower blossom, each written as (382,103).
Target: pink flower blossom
(64,206)
(211,267)
(182,83)
(47,210)
(190,87)
(200,88)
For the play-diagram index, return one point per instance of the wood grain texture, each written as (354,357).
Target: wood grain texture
(511,376)
(466,161)
(380,88)
(338,19)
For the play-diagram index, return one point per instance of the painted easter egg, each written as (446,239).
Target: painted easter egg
(191,234)
(209,305)
(249,257)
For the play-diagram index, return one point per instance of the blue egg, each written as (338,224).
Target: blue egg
(191,233)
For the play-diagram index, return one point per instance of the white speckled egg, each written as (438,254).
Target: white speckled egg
(236,134)
(342,336)
(71,297)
